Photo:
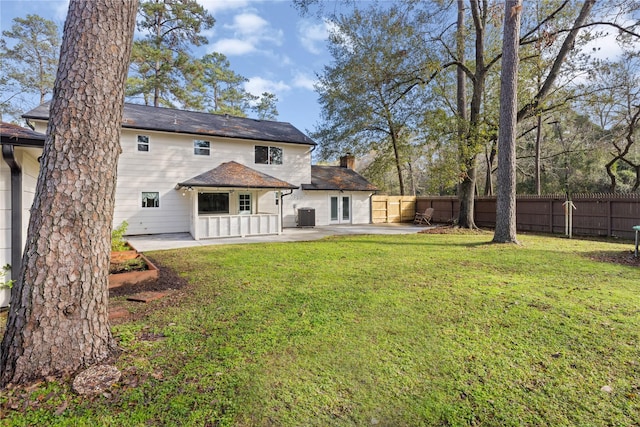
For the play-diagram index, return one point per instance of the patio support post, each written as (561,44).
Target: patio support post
(279,194)
(194,214)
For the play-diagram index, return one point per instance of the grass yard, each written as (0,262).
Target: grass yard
(414,330)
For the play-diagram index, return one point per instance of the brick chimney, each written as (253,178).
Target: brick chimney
(348,161)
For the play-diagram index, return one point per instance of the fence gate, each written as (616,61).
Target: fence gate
(392,209)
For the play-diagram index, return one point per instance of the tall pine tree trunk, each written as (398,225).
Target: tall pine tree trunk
(538,161)
(58,321)
(506,201)
(466,187)
(490,157)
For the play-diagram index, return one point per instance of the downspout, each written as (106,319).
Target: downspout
(282,196)
(8,155)
(371,207)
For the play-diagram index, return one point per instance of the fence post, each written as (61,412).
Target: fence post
(568,217)
(609,219)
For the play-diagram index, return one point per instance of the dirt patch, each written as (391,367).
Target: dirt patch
(617,257)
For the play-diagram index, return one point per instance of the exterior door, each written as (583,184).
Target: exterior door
(340,209)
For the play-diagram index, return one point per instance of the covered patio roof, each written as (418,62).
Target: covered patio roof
(234,175)
(17,135)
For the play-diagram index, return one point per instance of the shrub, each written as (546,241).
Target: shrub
(3,274)
(118,244)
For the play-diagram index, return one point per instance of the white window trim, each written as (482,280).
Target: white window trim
(269,148)
(240,211)
(142,200)
(201,148)
(148,144)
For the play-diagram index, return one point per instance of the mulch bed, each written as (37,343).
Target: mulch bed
(618,257)
(169,285)
(167,280)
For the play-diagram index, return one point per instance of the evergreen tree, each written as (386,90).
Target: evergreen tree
(29,54)
(163,71)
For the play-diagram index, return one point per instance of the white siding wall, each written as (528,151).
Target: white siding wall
(319,200)
(27,159)
(170,160)
(30,169)
(360,208)
(5,213)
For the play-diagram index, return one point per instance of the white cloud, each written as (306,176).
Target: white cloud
(215,6)
(254,27)
(249,33)
(304,81)
(258,85)
(314,35)
(248,24)
(232,47)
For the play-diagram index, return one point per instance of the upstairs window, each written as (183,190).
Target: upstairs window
(143,143)
(201,148)
(268,155)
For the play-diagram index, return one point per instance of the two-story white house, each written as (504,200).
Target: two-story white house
(210,175)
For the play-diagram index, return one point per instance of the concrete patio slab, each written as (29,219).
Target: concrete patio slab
(166,241)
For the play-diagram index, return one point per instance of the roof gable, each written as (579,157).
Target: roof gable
(235,175)
(159,119)
(337,178)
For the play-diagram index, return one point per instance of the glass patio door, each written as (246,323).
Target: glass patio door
(340,208)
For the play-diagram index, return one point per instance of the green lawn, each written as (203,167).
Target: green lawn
(376,330)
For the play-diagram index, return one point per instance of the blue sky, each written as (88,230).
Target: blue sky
(266,41)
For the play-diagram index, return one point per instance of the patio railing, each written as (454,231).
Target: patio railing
(214,226)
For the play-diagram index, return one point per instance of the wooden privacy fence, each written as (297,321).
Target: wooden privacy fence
(606,215)
(392,209)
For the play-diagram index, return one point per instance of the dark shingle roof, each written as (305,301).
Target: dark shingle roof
(235,175)
(17,135)
(337,178)
(180,121)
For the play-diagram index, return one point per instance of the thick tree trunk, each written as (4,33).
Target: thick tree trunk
(506,201)
(466,188)
(613,182)
(466,194)
(490,158)
(472,144)
(396,155)
(538,167)
(58,320)
(461,78)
